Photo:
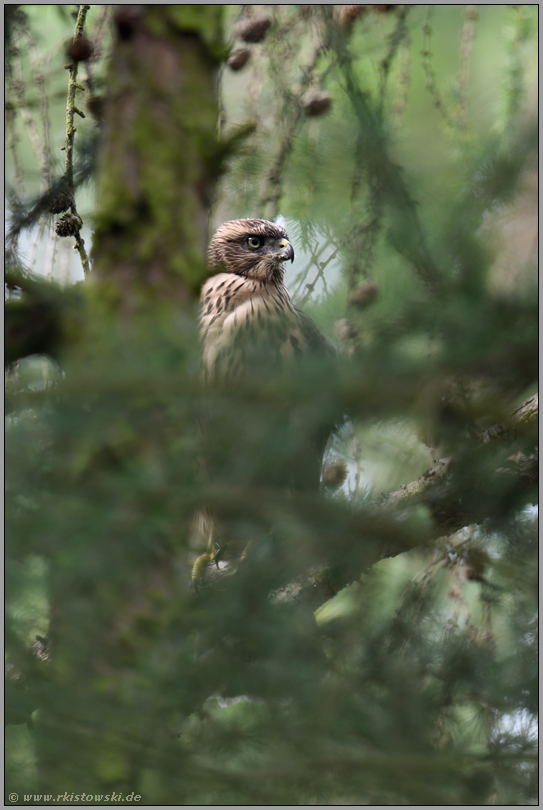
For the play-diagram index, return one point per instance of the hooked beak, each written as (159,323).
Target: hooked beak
(286,252)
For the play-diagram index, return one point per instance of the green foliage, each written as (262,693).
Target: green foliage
(360,644)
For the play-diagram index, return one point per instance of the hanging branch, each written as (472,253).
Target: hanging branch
(394,41)
(36,242)
(404,64)
(513,81)
(94,101)
(383,178)
(387,183)
(13,142)
(16,91)
(456,120)
(38,143)
(39,81)
(100,30)
(70,224)
(271,193)
(13,145)
(429,75)
(468,32)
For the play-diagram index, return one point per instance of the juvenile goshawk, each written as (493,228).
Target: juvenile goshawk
(249,327)
(246,310)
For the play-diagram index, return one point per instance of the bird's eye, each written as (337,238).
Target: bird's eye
(253,242)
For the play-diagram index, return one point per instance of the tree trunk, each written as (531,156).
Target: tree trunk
(115,553)
(159,159)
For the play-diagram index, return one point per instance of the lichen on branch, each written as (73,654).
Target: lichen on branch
(71,111)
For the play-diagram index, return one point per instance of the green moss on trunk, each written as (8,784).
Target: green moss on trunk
(159,161)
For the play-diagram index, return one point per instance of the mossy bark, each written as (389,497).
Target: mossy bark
(117,553)
(160,156)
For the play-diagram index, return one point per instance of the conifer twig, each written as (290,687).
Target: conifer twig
(468,32)
(429,74)
(13,143)
(37,142)
(71,111)
(404,64)
(394,42)
(273,187)
(39,81)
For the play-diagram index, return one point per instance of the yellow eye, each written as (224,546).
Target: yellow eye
(254,242)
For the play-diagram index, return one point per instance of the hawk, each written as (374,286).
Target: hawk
(249,326)
(246,308)
(251,330)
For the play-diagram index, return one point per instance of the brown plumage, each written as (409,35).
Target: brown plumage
(251,328)
(247,317)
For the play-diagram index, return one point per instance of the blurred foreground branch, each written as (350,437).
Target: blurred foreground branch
(442,490)
(369,535)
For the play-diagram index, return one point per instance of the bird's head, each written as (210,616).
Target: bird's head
(253,248)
